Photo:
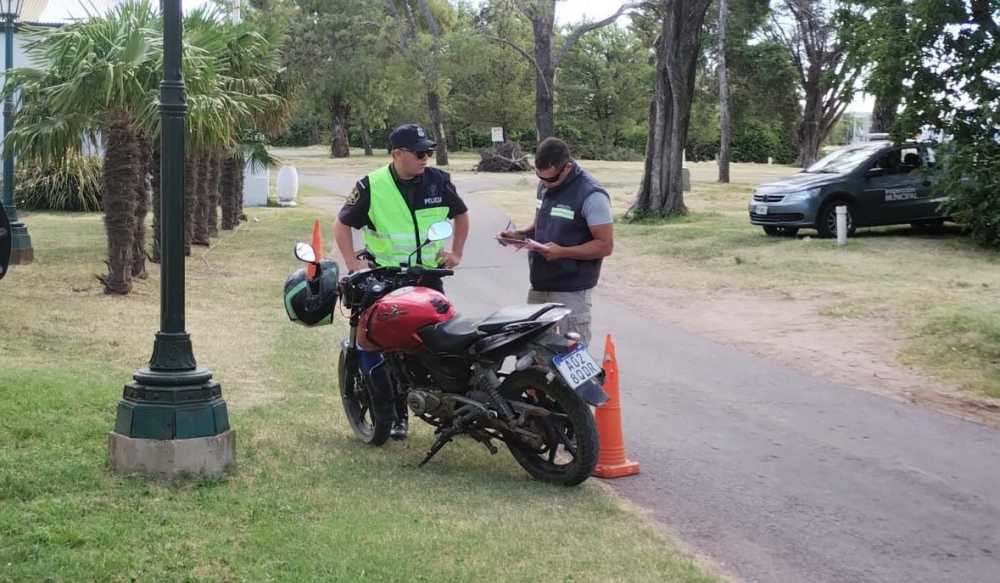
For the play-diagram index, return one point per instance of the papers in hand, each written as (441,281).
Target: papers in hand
(521,244)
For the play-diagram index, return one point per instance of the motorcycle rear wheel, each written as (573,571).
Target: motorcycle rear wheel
(570,434)
(357,405)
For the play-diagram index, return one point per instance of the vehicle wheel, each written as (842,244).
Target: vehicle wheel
(930,225)
(357,404)
(826,221)
(568,447)
(774,231)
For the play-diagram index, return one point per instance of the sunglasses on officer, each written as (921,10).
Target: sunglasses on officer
(555,177)
(421,154)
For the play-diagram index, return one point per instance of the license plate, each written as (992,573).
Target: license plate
(576,366)
(761,209)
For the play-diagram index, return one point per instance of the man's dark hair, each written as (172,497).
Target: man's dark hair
(551,153)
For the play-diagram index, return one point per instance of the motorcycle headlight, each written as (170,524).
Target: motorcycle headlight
(802,194)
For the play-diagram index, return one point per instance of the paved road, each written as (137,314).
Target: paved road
(775,475)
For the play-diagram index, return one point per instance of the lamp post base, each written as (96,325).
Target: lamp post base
(21,252)
(173,458)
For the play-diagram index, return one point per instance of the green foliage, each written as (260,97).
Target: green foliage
(492,84)
(606,82)
(949,51)
(73,184)
(755,142)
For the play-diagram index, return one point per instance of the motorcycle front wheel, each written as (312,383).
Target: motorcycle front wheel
(568,434)
(357,404)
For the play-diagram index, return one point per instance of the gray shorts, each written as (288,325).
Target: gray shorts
(578,301)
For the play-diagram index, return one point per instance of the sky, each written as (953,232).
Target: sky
(567,11)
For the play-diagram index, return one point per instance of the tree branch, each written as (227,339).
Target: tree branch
(431,23)
(585,28)
(526,56)
(528,11)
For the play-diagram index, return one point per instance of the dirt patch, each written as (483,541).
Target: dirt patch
(790,332)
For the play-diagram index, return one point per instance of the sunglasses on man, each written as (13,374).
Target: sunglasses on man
(421,154)
(554,178)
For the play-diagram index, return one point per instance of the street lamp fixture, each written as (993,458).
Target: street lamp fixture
(172,420)
(21,251)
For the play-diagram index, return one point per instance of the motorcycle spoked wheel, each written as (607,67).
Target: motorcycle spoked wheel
(358,409)
(569,453)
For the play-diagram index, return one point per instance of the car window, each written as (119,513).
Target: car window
(843,160)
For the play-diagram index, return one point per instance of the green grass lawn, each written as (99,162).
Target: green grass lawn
(306,502)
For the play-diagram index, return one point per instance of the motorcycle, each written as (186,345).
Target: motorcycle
(407,342)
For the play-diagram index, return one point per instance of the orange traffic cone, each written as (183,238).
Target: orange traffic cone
(611,460)
(317,245)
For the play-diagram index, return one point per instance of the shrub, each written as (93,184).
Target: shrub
(74,185)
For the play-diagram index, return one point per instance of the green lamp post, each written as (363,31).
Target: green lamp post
(172,419)
(21,252)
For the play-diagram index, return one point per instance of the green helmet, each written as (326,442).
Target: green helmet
(310,302)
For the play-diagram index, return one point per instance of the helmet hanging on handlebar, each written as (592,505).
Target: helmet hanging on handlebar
(310,302)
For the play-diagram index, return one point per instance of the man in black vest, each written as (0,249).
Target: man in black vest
(573,224)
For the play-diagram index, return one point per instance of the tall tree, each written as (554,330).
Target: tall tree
(542,15)
(724,128)
(874,35)
(332,48)
(606,81)
(951,56)
(827,79)
(427,59)
(677,51)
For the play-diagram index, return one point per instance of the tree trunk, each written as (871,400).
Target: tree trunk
(724,138)
(437,122)
(883,115)
(661,190)
(154,182)
(203,197)
(314,124)
(190,199)
(143,161)
(118,185)
(808,136)
(339,146)
(214,169)
(239,166)
(366,140)
(227,188)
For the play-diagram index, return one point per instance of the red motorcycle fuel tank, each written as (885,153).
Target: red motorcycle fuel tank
(391,323)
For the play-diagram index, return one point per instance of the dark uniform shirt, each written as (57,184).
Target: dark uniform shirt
(355,210)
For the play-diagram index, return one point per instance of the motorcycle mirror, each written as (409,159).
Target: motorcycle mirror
(439,231)
(305,253)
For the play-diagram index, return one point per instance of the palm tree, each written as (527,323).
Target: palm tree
(102,76)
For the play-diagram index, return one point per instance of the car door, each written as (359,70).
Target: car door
(929,196)
(891,187)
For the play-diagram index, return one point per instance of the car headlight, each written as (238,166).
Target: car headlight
(802,194)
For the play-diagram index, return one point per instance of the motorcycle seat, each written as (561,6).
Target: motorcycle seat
(513,314)
(451,336)
(460,332)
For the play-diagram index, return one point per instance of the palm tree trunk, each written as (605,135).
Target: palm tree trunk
(143,162)
(190,200)
(214,197)
(239,165)
(227,186)
(202,201)
(118,179)
(154,181)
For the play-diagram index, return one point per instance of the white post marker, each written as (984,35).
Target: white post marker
(497,134)
(841,224)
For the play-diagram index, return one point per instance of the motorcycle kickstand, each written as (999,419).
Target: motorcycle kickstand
(443,438)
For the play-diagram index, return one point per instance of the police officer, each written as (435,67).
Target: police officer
(393,206)
(573,222)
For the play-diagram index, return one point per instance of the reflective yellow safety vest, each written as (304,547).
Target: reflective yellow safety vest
(399,230)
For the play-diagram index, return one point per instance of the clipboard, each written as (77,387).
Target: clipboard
(521,243)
